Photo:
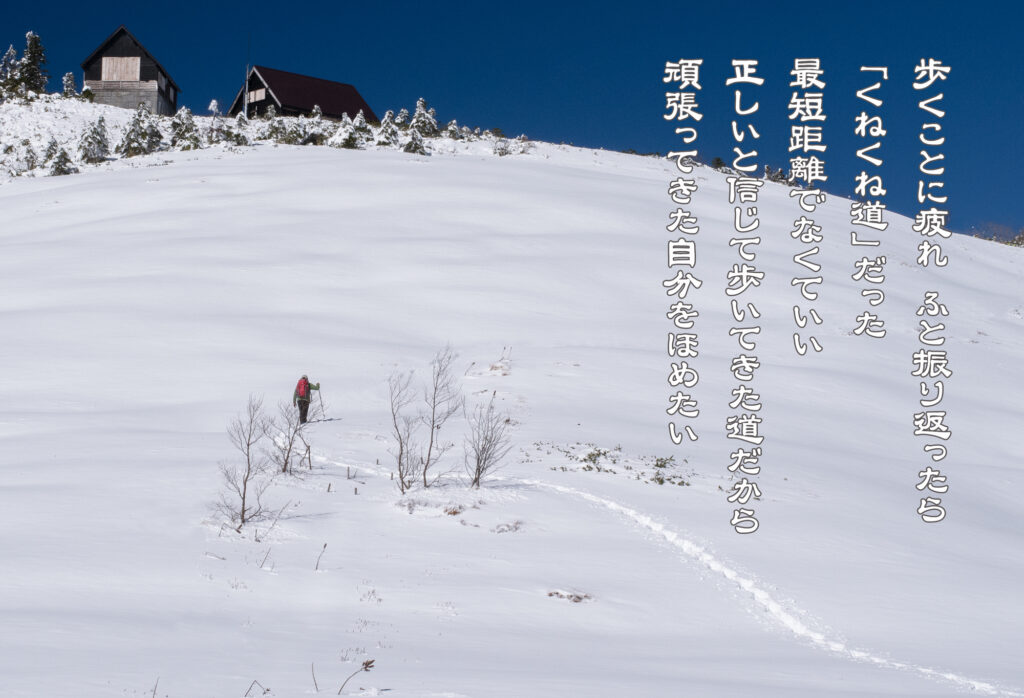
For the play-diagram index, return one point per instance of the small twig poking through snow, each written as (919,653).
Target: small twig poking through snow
(257,683)
(272,524)
(155,685)
(313,672)
(367,665)
(322,550)
(265,558)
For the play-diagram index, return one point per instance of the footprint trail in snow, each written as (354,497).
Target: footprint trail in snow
(774,609)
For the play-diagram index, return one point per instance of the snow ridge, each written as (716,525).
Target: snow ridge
(774,608)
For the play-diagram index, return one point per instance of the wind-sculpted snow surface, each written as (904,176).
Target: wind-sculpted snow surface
(144,300)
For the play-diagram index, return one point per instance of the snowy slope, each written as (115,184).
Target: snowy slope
(142,303)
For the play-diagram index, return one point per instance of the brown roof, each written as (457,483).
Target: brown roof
(304,92)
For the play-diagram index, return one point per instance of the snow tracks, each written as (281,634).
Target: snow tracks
(762,598)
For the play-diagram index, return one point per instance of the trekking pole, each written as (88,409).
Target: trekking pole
(323,412)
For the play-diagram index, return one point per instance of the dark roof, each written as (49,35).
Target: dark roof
(110,39)
(304,92)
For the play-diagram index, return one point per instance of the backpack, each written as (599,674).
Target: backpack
(302,389)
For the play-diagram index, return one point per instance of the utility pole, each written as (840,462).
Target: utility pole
(245,83)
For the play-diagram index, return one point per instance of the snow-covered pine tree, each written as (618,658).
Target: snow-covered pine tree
(33,64)
(402,119)
(31,159)
(10,73)
(216,132)
(452,131)
(387,134)
(423,121)
(184,132)
(415,144)
(294,133)
(62,164)
(316,130)
(344,136)
(501,147)
(52,148)
(94,146)
(141,136)
(69,87)
(361,129)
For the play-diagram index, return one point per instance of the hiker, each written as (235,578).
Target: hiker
(301,396)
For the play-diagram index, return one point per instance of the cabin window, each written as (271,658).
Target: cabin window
(258,95)
(121,68)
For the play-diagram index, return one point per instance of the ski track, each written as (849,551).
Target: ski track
(774,608)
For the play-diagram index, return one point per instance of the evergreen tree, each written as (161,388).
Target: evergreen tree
(274,129)
(242,128)
(452,131)
(141,136)
(69,85)
(184,133)
(387,134)
(415,144)
(314,128)
(62,164)
(402,119)
(423,121)
(216,132)
(345,136)
(94,146)
(10,73)
(361,129)
(30,158)
(52,148)
(33,65)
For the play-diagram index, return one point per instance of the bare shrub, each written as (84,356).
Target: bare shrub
(246,479)
(287,444)
(407,459)
(487,442)
(443,398)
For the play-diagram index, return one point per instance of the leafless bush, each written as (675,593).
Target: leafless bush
(443,398)
(487,442)
(246,479)
(287,444)
(407,459)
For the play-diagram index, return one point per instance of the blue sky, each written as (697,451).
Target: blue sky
(590,73)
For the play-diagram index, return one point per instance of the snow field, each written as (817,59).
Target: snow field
(147,300)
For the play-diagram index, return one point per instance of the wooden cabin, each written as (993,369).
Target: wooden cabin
(122,73)
(293,94)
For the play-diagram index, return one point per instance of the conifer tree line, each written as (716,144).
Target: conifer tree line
(24,79)
(25,76)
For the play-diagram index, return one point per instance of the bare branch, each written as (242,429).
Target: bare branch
(246,480)
(407,460)
(443,398)
(487,442)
